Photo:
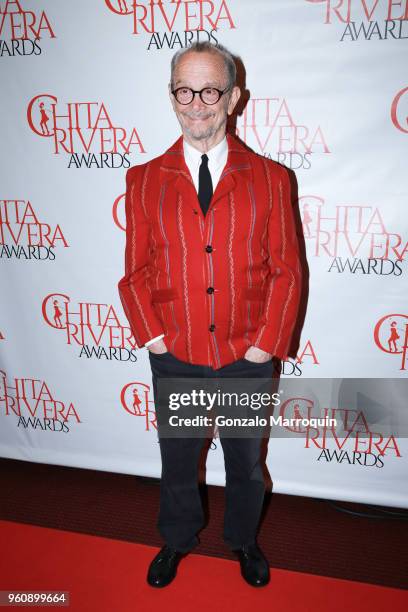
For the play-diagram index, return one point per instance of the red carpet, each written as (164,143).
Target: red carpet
(299,534)
(104,575)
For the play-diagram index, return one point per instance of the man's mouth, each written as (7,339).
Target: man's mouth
(192,118)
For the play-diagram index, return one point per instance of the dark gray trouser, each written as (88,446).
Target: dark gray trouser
(181,515)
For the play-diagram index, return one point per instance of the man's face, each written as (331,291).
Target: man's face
(199,121)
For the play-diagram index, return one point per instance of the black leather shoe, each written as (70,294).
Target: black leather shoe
(163,568)
(254,566)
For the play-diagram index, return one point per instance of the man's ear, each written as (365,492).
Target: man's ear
(234,97)
(171,96)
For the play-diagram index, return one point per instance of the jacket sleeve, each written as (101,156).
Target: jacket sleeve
(283,284)
(133,288)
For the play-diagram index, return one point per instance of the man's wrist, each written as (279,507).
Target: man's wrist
(254,353)
(153,340)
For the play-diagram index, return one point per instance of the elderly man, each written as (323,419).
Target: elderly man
(211,287)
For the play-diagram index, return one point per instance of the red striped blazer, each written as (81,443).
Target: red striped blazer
(213,284)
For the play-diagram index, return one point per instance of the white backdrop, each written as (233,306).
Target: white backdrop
(83,97)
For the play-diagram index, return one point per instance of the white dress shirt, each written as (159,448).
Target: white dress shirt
(217,158)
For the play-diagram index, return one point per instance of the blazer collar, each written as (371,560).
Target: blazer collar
(174,167)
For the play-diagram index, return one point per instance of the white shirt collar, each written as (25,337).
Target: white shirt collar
(216,155)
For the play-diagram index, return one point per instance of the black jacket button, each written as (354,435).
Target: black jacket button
(212,328)
(209,248)
(210,290)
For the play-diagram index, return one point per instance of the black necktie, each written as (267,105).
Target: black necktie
(205,188)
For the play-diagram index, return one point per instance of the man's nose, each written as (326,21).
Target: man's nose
(196,102)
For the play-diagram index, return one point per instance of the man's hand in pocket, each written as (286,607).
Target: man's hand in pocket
(157,347)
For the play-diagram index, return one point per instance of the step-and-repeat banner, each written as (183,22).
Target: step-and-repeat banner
(84,97)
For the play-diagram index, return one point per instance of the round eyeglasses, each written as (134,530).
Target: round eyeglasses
(208,95)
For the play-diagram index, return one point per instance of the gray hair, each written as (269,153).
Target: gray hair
(206,46)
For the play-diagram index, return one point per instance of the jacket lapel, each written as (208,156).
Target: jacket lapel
(237,169)
(175,170)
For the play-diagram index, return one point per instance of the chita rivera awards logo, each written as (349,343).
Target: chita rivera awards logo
(355,238)
(353,441)
(24,235)
(175,23)
(365,19)
(135,399)
(34,405)
(84,131)
(399,110)
(93,328)
(269,126)
(306,356)
(391,337)
(21,30)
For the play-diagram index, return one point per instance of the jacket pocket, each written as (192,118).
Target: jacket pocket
(252,301)
(164,295)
